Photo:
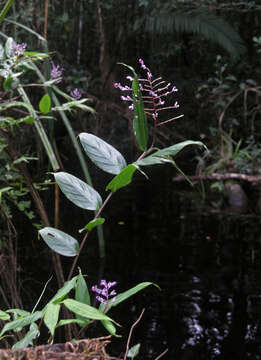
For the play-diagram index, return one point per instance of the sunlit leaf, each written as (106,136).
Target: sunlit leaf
(51,316)
(59,241)
(174,149)
(110,327)
(92,224)
(85,310)
(64,291)
(77,191)
(105,156)
(20,323)
(81,290)
(4,315)
(27,340)
(122,179)
(45,104)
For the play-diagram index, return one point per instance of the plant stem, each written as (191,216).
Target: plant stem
(86,236)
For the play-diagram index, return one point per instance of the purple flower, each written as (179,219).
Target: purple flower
(105,292)
(19,49)
(56,72)
(76,94)
(154,94)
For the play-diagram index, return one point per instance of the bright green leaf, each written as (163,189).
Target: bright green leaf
(81,290)
(51,316)
(20,323)
(59,241)
(64,291)
(105,156)
(85,310)
(122,179)
(4,315)
(77,191)
(27,340)
(92,224)
(110,327)
(45,104)
(72,321)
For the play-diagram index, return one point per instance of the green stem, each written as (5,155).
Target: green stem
(40,129)
(5,10)
(80,157)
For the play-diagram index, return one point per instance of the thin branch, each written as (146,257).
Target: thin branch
(130,334)
(162,354)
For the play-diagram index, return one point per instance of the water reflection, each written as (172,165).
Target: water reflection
(208,267)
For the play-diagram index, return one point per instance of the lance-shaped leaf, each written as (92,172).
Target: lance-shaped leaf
(76,190)
(105,156)
(125,295)
(122,179)
(140,125)
(27,340)
(174,149)
(64,291)
(85,310)
(162,156)
(92,224)
(51,316)
(60,242)
(20,323)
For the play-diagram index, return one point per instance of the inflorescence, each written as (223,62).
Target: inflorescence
(105,294)
(154,94)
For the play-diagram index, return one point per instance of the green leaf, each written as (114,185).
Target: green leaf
(174,149)
(4,315)
(153,160)
(18,312)
(140,125)
(27,119)
(134,351)
(72,321)
(9,83)
(105,156)
(51,316)
(78,192)
(92,224)
(125,295)
(110,327)
(122,179)
(5,10)
(64,291)
(27,340)
(45,104)
(81,291)
(85,310)
(20,323)
(59,241)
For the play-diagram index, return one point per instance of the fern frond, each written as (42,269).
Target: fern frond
(199,22)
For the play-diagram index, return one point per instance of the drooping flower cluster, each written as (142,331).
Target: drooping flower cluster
(18,49)
(56,72)
(76,94)
(154,93)
(105,294)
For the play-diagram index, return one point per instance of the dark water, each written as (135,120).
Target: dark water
(206,263)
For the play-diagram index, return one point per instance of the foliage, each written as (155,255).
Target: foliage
(16,319)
